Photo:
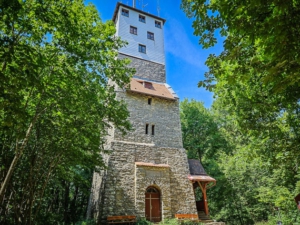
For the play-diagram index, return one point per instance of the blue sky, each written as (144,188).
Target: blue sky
(185,58)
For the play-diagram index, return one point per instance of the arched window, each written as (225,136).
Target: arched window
(152,190)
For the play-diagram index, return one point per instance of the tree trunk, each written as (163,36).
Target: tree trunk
(17,156)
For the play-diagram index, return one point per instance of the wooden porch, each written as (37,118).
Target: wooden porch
(201,183)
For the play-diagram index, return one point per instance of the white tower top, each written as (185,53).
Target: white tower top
(144,33)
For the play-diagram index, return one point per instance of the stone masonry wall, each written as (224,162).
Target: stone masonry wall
(158,177)
(147,69)
(162,113)
(120,189)
(126,183)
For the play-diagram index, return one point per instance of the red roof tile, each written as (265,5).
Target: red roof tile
(150,88)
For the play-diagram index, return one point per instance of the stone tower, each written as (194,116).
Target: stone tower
(147,173)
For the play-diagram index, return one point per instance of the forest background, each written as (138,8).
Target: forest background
(56,103)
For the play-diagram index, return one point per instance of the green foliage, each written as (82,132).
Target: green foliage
(57,100)
(169,222)
(191,222)
(256,84)
(176,222)
(200,131)
(86,222)
(254,173)
(260,36)
(143,221)
(257,73)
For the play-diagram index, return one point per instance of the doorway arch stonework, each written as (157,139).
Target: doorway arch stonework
(158,178)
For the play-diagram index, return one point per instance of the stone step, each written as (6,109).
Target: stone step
(206,221)
(203,217)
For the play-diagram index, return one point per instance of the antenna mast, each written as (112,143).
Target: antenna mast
(143,6)
(158,8)
(133,4)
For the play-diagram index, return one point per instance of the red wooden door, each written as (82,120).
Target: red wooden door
(152,205)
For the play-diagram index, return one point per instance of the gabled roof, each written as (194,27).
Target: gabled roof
(135,9)
(197,172)
(156,89)
(196,167)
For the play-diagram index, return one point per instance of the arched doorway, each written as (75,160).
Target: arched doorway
(152,204)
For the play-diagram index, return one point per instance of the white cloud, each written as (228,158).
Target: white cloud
(181,46)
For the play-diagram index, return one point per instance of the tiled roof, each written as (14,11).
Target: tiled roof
(151,164)
(196,167)
(197,172)
(151,88)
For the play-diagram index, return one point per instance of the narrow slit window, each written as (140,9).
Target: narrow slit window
(152,131)
(147,127)
(149,101)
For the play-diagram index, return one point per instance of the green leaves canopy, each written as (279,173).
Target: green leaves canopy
(200,131)
(256,84)
(256,77)
(261,37)
(56,101)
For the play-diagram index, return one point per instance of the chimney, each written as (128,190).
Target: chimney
(134,3)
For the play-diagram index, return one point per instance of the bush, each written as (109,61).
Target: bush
(86,222)
(169,222)
(176,222)
(143,221)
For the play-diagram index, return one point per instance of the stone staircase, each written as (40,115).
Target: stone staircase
(204,218)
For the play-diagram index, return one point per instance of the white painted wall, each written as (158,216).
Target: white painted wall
(155,48)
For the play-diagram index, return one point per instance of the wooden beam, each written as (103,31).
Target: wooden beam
(205,200)
(203,189)
(200,186)
(212,184)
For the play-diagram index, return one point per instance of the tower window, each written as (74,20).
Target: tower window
(150,35)
(152,130)
(157,24)
(147,128)
(149,101)
(133,30)
(142,18)
(142,48)
(125,12)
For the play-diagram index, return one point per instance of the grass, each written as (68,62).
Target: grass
(173,221)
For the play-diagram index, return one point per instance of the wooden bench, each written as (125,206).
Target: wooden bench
(121,219)
(192,217)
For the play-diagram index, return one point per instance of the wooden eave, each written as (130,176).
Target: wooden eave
(135,9)
(203,178)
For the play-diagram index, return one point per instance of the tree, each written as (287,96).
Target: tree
(254,173)
(200,131)
(255,80)
(261,35)
(261,49)
(55,101)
